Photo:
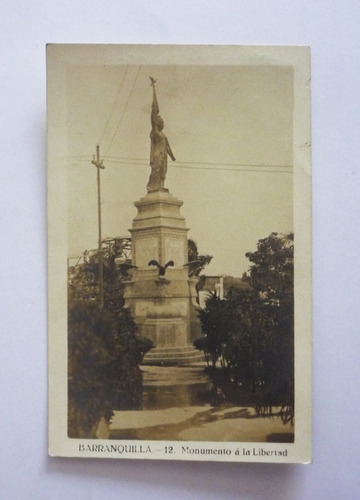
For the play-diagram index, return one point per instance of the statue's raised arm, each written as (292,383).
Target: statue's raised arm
(160,147)
(154,107)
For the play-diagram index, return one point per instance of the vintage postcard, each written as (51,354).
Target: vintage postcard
(179,236)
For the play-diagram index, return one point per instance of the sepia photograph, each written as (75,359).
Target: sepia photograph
(179,252)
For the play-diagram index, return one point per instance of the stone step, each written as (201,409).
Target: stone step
(188,348)
(173,356)
(168,353)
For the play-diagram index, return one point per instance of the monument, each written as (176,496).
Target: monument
(160,295)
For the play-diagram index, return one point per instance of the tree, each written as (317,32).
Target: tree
(88,359)
(83,279)
(105,349)
(272,278)
(214,321)
(252,330)
(196,262)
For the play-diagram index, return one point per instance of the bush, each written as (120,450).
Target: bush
(104,351)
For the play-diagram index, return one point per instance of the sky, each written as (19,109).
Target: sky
(230,128)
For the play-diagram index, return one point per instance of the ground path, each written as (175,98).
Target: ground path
(178,406)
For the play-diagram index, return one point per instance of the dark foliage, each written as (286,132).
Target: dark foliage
(251,333)
(104,347)
(89,396)
(196,263)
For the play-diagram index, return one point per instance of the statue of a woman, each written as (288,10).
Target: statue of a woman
(160,147)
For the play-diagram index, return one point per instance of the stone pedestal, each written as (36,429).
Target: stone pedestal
(162,306)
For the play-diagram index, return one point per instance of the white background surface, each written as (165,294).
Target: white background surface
(332,31)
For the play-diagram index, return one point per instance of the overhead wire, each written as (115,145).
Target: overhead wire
(204,162)
(113,107)
(123,112)
(220,167)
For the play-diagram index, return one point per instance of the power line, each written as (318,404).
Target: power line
(122,115)
(179,164)
(193,165)
(205,163)
(221,168)
(113,107)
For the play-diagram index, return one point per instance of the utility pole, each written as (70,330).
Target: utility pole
(99,164)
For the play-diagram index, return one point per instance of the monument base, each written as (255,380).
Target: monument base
(166,332)
(161,296)
(169,333)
